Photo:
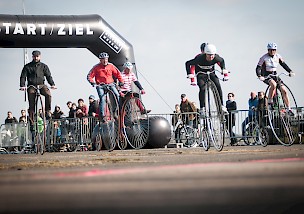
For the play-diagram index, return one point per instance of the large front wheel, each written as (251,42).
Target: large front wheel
(215,118)
(39,127)
(109,128)
(285,127)
(135,122)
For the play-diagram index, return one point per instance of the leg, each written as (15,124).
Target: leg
(114,89)
(285,96)
(48,97)
(272,88)
(102,100)
(31,93)
(218,86)
(201,84)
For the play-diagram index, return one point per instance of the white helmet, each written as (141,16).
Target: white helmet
(103,55)
(210,49)
(128,65)
(272,45)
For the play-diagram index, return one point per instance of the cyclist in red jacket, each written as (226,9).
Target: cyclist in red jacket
(103,73)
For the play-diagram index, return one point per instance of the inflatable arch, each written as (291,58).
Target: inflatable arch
(69,31)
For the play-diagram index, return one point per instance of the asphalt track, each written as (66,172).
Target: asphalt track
(240,179)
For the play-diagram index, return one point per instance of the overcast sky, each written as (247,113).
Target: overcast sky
(164,35)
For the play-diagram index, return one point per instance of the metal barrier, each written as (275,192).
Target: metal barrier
(70,134)
(14,137)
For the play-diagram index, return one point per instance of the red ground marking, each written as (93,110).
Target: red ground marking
(99,172)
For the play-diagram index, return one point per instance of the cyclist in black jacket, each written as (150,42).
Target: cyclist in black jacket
(205,62)
(35,72)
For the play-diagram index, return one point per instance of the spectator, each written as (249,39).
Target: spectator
(10,118)
(82,110)
(187,106)
(262,108)
(58,113)
(175,118)
(196,116)
(23,118)
(73,110)
(70,113)
(253,103)
(93,106)
(230,118)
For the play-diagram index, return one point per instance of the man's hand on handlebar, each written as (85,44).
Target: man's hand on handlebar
(22,88)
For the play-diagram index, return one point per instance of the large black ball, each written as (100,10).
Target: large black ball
(159,132)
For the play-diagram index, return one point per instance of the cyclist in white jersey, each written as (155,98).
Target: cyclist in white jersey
(268,64)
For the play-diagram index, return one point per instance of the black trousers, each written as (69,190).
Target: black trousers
(201,80)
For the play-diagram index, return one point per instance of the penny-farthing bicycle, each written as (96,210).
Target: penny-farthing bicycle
(38,121)
(213,122)
(134,122)
(108,126)
(284,124)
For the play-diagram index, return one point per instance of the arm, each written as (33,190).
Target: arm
(48,75)
(23,77)
(138,85)
(220,61)
(91,75)
(284,65)
(189,63)
(258,70)
(116,73)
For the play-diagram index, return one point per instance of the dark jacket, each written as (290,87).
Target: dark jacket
(35,72)
(186,107)
(57,114)
(93,108)
(231,106)
(11,120)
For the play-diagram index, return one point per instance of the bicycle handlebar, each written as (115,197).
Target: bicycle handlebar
(36,87)
(210,72)
(276,75)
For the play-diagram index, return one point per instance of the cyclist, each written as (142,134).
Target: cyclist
(192,67)
(103,73)
(205,62)
(268,64)
(35,72)
(128,77)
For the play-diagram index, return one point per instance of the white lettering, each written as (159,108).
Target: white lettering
(42,28)
(89,31)
(61,31)
(18,29)
(79,29)
(7,25)
(70,29)
(31,29)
